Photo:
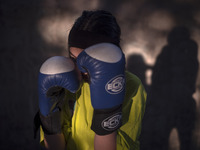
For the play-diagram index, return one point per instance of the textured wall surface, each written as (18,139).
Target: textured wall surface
(164,57)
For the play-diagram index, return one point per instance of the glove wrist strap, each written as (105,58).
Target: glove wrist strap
(106,121)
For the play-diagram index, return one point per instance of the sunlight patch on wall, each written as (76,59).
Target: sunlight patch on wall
(197,17)
(128,10)
(148,75)
(174,142)
(196,95)
(81,5)
(160,20)
(196,36)
(55,29)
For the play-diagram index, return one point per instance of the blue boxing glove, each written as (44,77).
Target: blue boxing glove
(56,75)
(105,64)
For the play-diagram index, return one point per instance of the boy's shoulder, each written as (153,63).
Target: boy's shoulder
(132,79)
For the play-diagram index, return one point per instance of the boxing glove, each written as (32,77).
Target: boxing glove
(56,75)
(105,65)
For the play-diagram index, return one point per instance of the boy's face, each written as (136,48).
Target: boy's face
(73,53)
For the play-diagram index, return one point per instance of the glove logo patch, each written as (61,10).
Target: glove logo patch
(112,122)
(115,85)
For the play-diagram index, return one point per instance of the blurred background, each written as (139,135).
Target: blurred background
(160,39)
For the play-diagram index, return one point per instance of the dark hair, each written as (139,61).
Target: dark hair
(94,27)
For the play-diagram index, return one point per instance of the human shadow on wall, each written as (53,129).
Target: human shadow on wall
(171,102)
(137,66)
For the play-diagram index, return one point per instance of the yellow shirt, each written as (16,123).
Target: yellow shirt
(77,132)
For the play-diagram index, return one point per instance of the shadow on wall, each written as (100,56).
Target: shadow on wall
(170,102)
(137,66)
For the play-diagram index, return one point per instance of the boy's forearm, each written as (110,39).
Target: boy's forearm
(54,142)
(106,142)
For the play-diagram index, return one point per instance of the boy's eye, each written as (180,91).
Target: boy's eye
(72,57)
